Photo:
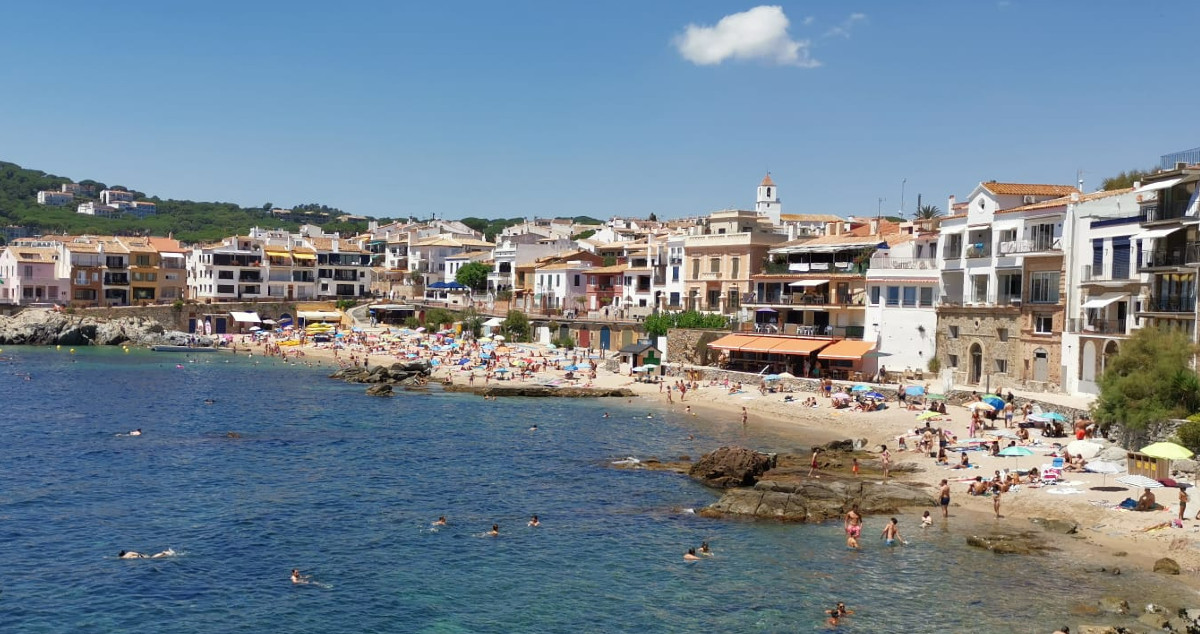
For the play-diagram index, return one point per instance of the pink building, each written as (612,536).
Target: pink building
(27,276)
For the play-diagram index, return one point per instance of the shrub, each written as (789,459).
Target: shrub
(1188,433)
(564,342)
(935,365)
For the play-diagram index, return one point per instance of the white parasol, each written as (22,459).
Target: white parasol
(1139,481)
(1083,448)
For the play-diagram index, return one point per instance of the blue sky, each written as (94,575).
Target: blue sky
(599,108)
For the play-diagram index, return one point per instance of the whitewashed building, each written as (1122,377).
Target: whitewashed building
(902,297)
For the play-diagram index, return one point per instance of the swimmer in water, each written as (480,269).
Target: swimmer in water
(297,577)
(209,401)
(136,432)
(891,533)
(166,553)
(441,521)
(649,415)
(534,522)
(690,555)
(534,428)
(705,550)
(495,532)
(926,520)
(129,554)
(605,415)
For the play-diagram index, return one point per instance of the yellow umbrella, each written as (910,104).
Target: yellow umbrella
(928,414)
(1167,450)
(980,405)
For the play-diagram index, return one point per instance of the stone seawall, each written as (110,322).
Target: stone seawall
(177,319)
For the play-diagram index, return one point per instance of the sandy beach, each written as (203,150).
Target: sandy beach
(1108,536)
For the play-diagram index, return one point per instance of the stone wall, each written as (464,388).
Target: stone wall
(983,328)
(173,319)
(688,345)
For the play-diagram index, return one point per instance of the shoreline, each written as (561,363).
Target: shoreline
(1102,531)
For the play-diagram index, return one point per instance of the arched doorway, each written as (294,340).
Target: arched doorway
(1041,365)
(976,363)
(1110,350)
(1088,372)
(605,338)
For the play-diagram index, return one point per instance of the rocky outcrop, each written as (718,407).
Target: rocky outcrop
(414,374)
(731,467)
(814,501)
(1023,543)
(37,326)
(539,390)
(379,389)
(1166,566)
(1063,527)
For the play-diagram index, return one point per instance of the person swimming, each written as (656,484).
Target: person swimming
(129,554)
(209,401)
(605,415)
(441,521)
(495,532)
(534,428)
(705,550)
(299,578)
(690,555)
(136,432)
(534,522)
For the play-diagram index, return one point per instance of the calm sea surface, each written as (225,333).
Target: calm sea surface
(344,487)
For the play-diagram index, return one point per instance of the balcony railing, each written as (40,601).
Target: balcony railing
(1037,245)
(1089,274)
(1164,257)
(710,275)
(1171,304)
(920,264)
(116,280)
(1104,327)
(978,251)
(1164,211)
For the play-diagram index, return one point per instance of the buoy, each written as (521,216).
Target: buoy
(58,347)
(72,350)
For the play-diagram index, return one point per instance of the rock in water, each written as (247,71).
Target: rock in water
(1166,566)
(379,389)
(39,327)
(729,467)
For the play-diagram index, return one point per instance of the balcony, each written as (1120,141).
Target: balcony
(1090,276)
(1038,245)
(912,264)
(979,251)
(1103,327)
(1163,258)
(249,276)
(1171,304)
(1159,212)
(116,279)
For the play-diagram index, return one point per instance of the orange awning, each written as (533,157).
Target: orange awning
(847,350)
(763,344)
(801,347)
(731,342)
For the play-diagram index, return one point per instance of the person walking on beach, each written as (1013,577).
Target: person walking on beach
(814,465)
(996,499)
(885,459)
(745,416)
(1183,500)
(944,498)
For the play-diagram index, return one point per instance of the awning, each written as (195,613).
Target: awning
(319,315)
(493,322)
(305,256)
(245,318)
(1104,300)
(167,254)
(762,344)
(1156,233)
(847,350)
(807,283)
(796,346)
(731,342)
(278,254)
(1167,184)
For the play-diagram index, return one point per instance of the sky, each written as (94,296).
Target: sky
(622,107)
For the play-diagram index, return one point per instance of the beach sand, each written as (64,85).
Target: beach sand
(1107,537)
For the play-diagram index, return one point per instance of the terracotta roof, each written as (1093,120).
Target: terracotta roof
(616,268)
(766,181)
(34,254)
(562,266)
(1024,189)
(1066,200)
(166,244)
(810,218)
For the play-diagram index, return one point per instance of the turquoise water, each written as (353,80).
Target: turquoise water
(344,487)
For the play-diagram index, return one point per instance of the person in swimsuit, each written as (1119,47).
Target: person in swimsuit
(996,499)
(441,521)
(534,522)
(297,577)
(690,555)
(944,496)
(891,533)
(853,525)
(926,520)
(854,467)
(129,554)
(495,530)
(705,550)
(813,465)
(885,459)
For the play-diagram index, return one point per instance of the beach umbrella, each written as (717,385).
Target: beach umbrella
(255,329)
(1105,469)
(499,337)
(996,402)
(874,395)
(937,397)
(1168,450)
(1054,416)
(992,396)
(594,356)
(927,415)
(1083,448)
(861,388)
(1139,481)
(484,340)
(786,375)
(771,377)
(841,396)
(1003,433)
(1015,452)
(980,405)
(914,390)
(638,369)
(573,368)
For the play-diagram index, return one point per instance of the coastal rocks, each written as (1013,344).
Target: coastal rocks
(1154,619)
(405,374)
(1166,566)
(729,467)
(1098,629)
(1062,527)
(380,389)
(38,326)
(816,501)
(843,446)
(1022,543)
(1111,454)
(540,391)
(1114,605)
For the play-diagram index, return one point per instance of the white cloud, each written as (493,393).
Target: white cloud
(760,33)
(843,29)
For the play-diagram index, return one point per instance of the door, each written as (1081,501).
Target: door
(1041,365)
(192,324)
(1089,362)
(605,338)
(585,338)
(220,325)
(976,364)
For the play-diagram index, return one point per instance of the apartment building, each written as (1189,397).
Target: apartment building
(722,254)
(29,274)
(55,199)
(113,196)
(558,286)
(1170,247)
(902,297)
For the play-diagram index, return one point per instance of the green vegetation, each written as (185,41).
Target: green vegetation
(516,325)
(935,365)
(1150,380)
(1124,179)
(564,342)
(928,212)
(473,275)
(436,318)
(584,235)
(658,323)
(472,322)
(1188,433)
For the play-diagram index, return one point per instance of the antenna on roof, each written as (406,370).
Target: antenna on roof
(1079,179)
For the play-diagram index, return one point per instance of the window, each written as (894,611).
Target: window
(927,296)
(1002,334)
(143,260)
(695,268)
(674,273)
(674,298)
(224,275)
(28,270)
(893,296)
(714,265)
(732,304)
(875,293)
(954,360)
(1043,287)
(1002,366)
(224,288)
(576,279)
(910,295)
(1043,324)
(954,332)
(735,267)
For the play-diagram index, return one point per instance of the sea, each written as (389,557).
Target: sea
(247,468)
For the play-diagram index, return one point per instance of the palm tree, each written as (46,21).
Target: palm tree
(928,212)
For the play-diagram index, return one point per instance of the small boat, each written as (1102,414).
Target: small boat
(165,348)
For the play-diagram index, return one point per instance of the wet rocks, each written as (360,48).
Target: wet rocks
(814,501)
(403,374)
(1114,605)
(1166,566)
(380,389)
(40,326)
(729,467)
(1020,543)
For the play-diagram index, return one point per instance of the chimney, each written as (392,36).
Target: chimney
(1180,165)
(875,227)
(1137,184)
(950,205)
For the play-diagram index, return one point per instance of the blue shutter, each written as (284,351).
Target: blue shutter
(1120,270)
(1097,257)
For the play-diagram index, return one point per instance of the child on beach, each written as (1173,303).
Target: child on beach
(854,467)
(926,520)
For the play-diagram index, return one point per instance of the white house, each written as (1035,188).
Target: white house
(54,199)
(93,208)
(902,296)
(111,196)
(555,286)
